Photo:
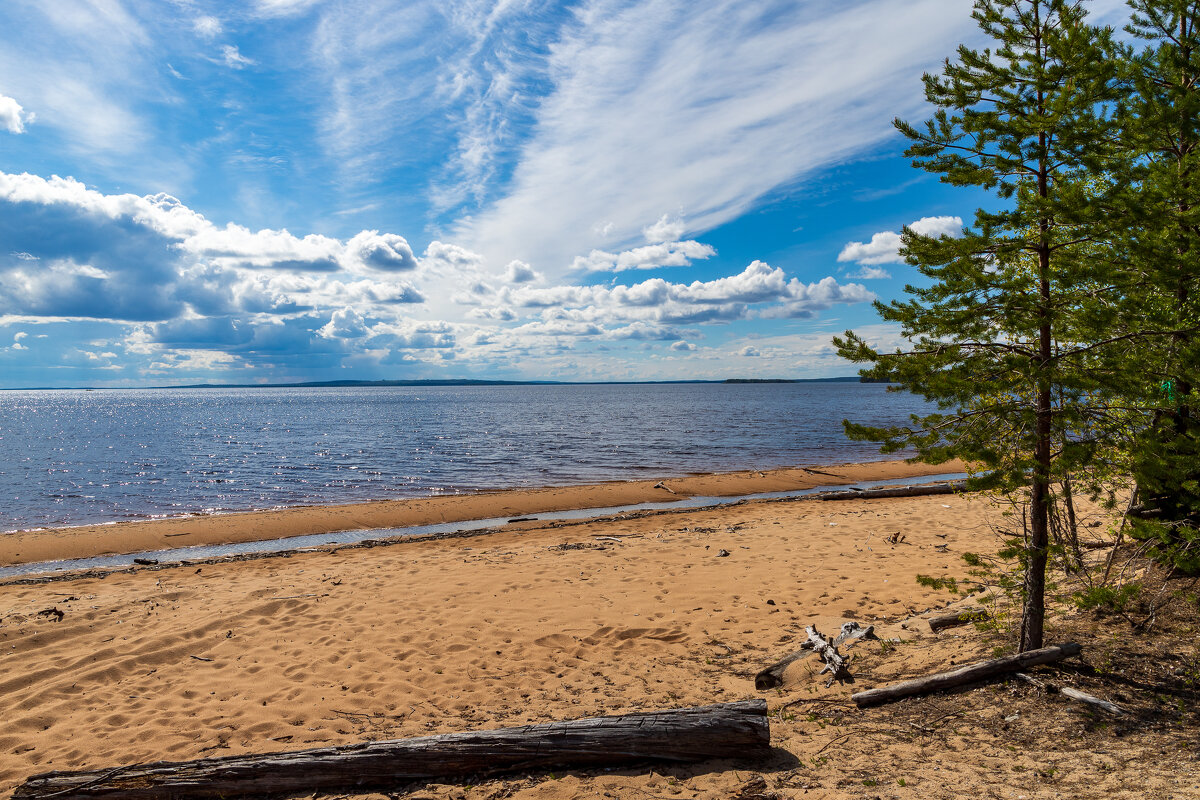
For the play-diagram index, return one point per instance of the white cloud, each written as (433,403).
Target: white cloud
(667,229)
(283,8)
(137,257)
(749,351)
(91,66)
(386,251)
(176,285)
(346,323)
(443,256)
(884,247)
(234,59)
(871,274)
(651,256)
(207,26)
(12,116)
(520,272)
(660,104)
(759,290)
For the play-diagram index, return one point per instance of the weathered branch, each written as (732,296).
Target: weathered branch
(960,617)
(772,676)
(731,730)
(966,675)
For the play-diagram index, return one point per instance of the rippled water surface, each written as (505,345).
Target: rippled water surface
(73,457)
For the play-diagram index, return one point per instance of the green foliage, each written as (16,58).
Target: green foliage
(1110,598)
(1058,336)
(949,584)
(1005,323)
(1159,244)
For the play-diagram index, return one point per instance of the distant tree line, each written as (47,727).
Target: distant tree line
(1058,335)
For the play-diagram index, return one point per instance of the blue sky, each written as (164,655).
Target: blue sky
(279,190)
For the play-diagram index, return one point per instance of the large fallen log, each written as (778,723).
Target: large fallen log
(965,675)
(730,730)
(772,676)
(899,491)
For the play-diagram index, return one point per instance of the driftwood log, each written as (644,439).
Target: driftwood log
(899,491)
(772,676)
(1074,694)
(730,730)
(966,675)
(960,617)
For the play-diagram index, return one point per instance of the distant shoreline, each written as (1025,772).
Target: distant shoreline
(357,384)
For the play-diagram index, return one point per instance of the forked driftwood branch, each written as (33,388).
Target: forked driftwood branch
(772,676)
(730,730)
(965,675)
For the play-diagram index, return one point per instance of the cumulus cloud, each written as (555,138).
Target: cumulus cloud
(346,323)
(749,351)
(386,251)
(80,253)
(12,116)
(520,272)
(173,285)
(884,247)
(652,256)
(759,290)
(443,256)
(667,229)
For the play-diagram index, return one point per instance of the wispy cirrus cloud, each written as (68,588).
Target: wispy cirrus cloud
(668,105)
(88,90)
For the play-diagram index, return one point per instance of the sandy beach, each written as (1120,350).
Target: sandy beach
(534,623)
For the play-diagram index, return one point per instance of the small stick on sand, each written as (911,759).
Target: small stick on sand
(1074,694)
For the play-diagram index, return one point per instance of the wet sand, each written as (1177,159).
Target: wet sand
(28,547)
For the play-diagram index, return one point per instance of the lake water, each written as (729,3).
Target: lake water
(76,457)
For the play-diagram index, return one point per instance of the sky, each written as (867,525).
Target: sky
(265,191)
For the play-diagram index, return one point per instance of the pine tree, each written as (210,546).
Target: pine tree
(1161,242)
(1003,332)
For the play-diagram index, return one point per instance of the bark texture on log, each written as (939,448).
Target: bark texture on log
(772,676)
(729,730)
(961,617)
(965,675)
(899,491)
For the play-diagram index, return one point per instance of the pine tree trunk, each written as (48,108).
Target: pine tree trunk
(1034,613)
